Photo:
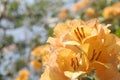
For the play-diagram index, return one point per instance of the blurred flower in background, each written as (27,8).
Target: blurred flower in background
(23,75)
(63,13)
(81,4)
(90,12)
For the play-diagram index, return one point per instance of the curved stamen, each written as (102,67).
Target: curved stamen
(79,38)
(98,55)
(82,29)
(79,32)
(93,55)
(75,63)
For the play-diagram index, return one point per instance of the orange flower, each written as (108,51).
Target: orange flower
(59,31)
(63,13)
(81,32)
(57,65)
(108,12)
(61,60)
(81,47)
(112,11)
(23,75)
(80,5)
(104,57)
(101,51)
(90,12)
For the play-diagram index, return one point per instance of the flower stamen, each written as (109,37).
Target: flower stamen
(79,38)
(93,55)
(74,63)
(82,29)
(97,57)
(79,32)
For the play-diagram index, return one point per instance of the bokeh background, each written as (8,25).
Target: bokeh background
(26,24)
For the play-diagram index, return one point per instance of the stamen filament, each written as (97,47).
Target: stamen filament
(74,63)
(83,32)
(79,32)
(93,55)
(98,55)
(77,35)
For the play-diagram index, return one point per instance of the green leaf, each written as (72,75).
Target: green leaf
(117,32)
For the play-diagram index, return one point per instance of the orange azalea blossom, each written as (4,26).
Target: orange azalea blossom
(80,5)
(108,12)
(63,13)
(90,12)
(23,75)
(111,11)
(55,69)
(79,47)
(42,55)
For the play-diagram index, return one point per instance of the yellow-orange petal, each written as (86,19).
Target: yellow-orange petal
(37,65)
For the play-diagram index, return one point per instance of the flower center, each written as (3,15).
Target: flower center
(79,32)
(95,55)
(75,63)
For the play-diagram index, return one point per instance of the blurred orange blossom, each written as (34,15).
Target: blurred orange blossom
(23,75)
(90,12)
(112,11)
(80,5)
(63,13)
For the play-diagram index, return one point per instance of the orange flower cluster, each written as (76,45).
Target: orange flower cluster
(63,13)
(79,47)
(80,5)
(23,75)
(112,11)
(90,12)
